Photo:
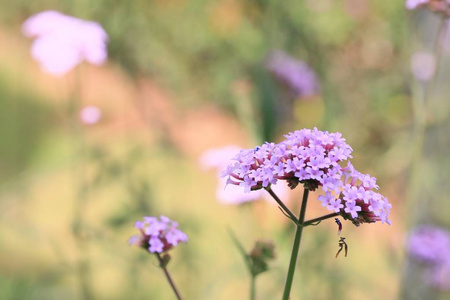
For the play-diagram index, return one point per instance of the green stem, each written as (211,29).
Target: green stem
(296,246)
(252,287)
(319,219)
(79,177)
(169,278)
(282,205)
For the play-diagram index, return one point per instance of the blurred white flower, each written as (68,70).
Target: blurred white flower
(423,65)
(62,41)
(90,115)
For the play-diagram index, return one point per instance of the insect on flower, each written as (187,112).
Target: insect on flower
(339,225)
(342,244)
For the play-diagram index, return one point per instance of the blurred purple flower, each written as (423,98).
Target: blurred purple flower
(157,235)
(431,245)
(423,65)
(296,74)
(412,4)
(90,115)
(218,159)
(62,41)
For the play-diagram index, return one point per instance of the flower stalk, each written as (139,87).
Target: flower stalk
(296,246)
(283,207)
(163,264)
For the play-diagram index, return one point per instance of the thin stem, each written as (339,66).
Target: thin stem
(296,246)
(431,87)
(169,278)
(423,111)
(78,223)
(283,206)
(252,288)
(310,222)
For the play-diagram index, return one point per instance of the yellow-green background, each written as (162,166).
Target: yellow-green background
(182,77)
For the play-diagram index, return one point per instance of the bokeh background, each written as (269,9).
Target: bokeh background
(184,77)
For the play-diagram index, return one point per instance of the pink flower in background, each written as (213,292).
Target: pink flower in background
(438,6)
(90,115)
(218,159)
(423,65)
(296,74)
(62,42)
(431,246)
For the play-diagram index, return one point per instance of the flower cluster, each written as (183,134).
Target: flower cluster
(158,235)
(439,6)
(313,158)
(218,158)
(431,245)
(296,74)
(62,41)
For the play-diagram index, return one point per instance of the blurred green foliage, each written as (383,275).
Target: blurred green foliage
(23,124)
(203,52)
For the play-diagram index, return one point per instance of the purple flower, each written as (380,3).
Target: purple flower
(296,74)
(313,158)
(218,159)
(62,41)
(431,246)
(158,235)
(412,4)
(305,155)
(362,204)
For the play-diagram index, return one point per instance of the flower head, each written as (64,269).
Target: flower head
(313,158)
(218,159)
(361,203)
(62,41)
(158,235)
(307,156)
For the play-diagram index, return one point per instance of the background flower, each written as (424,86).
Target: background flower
(431,245)
(62,41)
(90,114)
(294,73)
(218,159)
